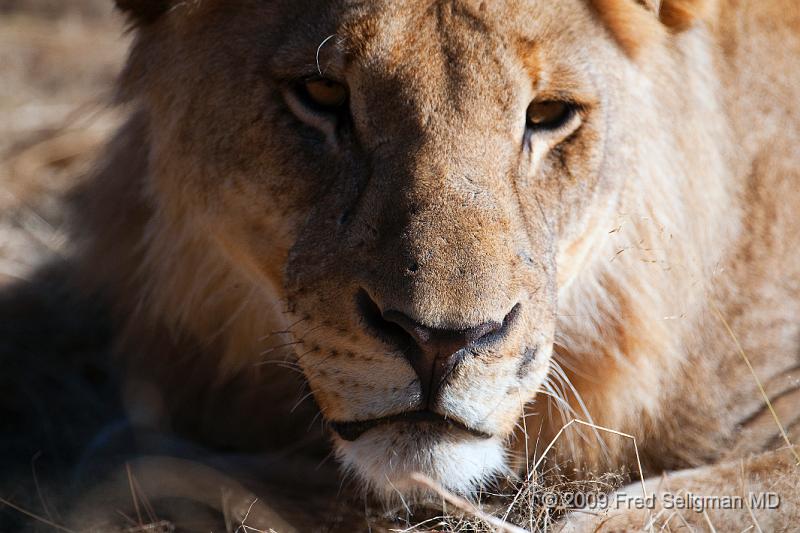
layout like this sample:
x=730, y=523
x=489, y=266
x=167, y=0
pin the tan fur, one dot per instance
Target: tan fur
x=630, y=23
x=635, y=28
x=233, y=231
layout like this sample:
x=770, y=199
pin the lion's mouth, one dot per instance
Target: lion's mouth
x=350, y=431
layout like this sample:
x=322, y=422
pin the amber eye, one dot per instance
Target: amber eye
x=322, y=94
x=549, y=115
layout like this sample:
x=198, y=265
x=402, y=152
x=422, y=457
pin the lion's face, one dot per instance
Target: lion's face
x=416, y=182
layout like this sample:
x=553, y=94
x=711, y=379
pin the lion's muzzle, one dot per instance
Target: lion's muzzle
x=434, y=353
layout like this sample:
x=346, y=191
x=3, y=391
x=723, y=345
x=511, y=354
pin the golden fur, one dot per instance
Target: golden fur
x=232, y=229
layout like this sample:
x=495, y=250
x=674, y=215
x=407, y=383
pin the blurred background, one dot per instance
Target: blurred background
x=58, y=61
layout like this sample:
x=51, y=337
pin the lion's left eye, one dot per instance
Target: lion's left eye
x=549, y=115
x=323, y=94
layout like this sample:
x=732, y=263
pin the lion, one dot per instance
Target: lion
x=467, y=223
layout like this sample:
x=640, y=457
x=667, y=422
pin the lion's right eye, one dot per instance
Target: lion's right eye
x=323, y=95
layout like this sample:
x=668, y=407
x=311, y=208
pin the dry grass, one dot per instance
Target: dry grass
x=521, y=508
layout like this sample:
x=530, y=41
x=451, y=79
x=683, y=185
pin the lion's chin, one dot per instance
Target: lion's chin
x=385, y=458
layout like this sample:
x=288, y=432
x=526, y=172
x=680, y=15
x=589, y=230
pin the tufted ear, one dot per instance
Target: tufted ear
x=637, y=23
x=143, y=12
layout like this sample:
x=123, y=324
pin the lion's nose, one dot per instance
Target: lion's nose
x=434, y=353
x=440, y=351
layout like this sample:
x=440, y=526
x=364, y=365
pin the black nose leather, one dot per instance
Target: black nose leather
x=439, y=351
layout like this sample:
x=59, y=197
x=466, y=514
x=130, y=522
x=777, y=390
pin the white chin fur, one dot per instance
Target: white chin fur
x=384, y=458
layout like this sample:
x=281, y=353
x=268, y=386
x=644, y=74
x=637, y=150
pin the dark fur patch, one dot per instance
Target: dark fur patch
x=525, y=363
x=143, y=12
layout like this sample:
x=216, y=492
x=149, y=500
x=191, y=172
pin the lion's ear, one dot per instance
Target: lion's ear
x=679, y=15
x=143, y=12
x=638, y=23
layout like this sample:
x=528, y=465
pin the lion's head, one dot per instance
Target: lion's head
x=411, y=188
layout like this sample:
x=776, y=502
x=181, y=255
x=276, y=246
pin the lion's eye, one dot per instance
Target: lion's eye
x=322, y=94
x=549, y=115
